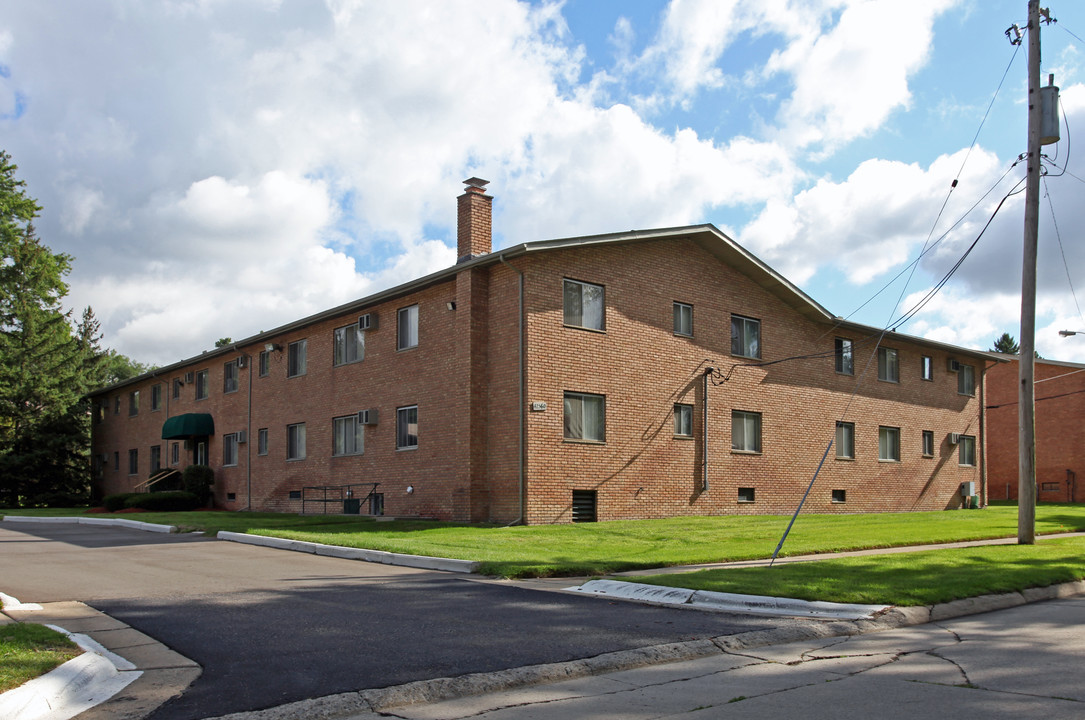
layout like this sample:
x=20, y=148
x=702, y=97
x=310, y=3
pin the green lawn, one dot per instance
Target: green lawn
x=27, y=651
x=920, y=578
x=606, y=547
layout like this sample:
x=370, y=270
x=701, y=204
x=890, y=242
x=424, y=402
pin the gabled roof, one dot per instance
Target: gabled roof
x=707, y=236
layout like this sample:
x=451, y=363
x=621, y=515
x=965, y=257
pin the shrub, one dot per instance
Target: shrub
x=113, y=503
x=171, y=501
x=198, y=479
x=60, y=500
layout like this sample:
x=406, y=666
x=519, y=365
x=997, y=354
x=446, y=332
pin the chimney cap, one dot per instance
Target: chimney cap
x=475, y=182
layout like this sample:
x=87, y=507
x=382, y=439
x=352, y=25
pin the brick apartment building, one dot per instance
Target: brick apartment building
x=1060, y=430
x=632, y=375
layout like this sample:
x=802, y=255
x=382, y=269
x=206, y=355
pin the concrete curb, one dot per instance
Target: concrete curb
x=76, y=686
x=729, y=602
x=346, y=705
x=375, y=556
x=114, y=522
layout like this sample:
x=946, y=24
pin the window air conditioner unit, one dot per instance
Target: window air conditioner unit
x=367, y=321
x=954, y=365
x=954, y=438
x=243, y=436
x=190, y=376
x=241, y=361
x=367, y=417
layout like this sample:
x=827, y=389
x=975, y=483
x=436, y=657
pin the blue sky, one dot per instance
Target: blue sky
x=221, y=167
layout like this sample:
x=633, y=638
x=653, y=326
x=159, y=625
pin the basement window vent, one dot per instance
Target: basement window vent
x=295, y=494
x=745, y=495
x=840, y=496
x=584, y=505
x=1049, y=486
x=231, y=496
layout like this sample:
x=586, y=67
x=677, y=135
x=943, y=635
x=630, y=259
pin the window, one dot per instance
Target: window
x=156, y=458
x=407, y=427
x=229, y=449
x=745, y=431
x=745, y=337
x=133, y=462
x=889, y=444
x=376, y=503
x=117, y=405
x=175, y=454
x=116, y=461
x=683, y=319
x=840, y=496
x=156, y=397
x=295, y=358
x=347, y=436
x=294, y=494
x=585, y=417
x=585, y=503
x=928, y=443
x=845, y=440
x=230, y=375
x=407, y=324
x=845, y=361
x=585, y=305
x=265, y=363
x=888, y=366
x=683, y=420
x=261, y=441
x=103, y=408
x=966, y=380
x=295, y=441
x=966, y=450
x=133, y=403
x=926, y=369
x=201, y=384
x=177, y=384
x=746, y=495
x=349, y=344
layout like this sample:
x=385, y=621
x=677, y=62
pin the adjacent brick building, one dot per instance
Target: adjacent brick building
x=1060, y=430
x=633, y=375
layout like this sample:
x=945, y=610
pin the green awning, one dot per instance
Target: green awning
x=188, y=425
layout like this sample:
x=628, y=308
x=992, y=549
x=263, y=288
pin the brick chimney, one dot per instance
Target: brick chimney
x=474, y=234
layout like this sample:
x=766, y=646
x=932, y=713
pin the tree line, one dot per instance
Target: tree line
x=49, y=361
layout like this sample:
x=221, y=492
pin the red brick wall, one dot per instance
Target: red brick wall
x=1060, y=431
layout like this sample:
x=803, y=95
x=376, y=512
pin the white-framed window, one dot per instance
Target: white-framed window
x=133, y=403
x=407, y=328
x=966, y=380
x=745, y=337
x=201, y=384
x=407, y=427
x=888, y=365
x=229, y=449
x=296, y=358
x=966, y=450
x=745, y=431
x=177, y=384
x=845, y=358
x=230, y=375
x=585, y=305
x=156, y=397
x=175, y=454
x=261, y=441
x=295, y=441
x=683, y=319
x=845, y=440
x=347, y=437
x=683, y=420
x=133, y=462
x=348, y=345
x=117, y=405
x=156, y=458
x=926, y=368
x=585, y=417
x=265, y=363
x=928, y=443
x=889, y=444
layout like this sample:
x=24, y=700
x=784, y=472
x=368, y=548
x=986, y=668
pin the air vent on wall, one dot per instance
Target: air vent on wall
x=367, y=321
x=954, y=365
x=367, y=417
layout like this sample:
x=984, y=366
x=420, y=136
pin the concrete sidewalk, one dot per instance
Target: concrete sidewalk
x=1019, y=662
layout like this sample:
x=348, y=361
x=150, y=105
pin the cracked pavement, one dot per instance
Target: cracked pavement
x=1020, y=662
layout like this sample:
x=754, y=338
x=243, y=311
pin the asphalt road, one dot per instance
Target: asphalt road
x=271, y=626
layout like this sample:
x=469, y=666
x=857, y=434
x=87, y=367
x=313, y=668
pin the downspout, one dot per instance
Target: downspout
x=523, y=401
x=704, y=431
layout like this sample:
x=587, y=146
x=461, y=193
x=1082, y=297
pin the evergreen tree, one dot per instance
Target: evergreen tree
x=1006, y=344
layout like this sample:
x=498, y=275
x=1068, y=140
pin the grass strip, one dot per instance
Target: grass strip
x=28, y=650
x=918, y=578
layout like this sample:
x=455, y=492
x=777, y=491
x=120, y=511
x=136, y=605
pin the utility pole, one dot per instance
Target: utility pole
x=1026, y=406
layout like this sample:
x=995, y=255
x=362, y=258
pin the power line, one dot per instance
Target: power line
x=1062, y=250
